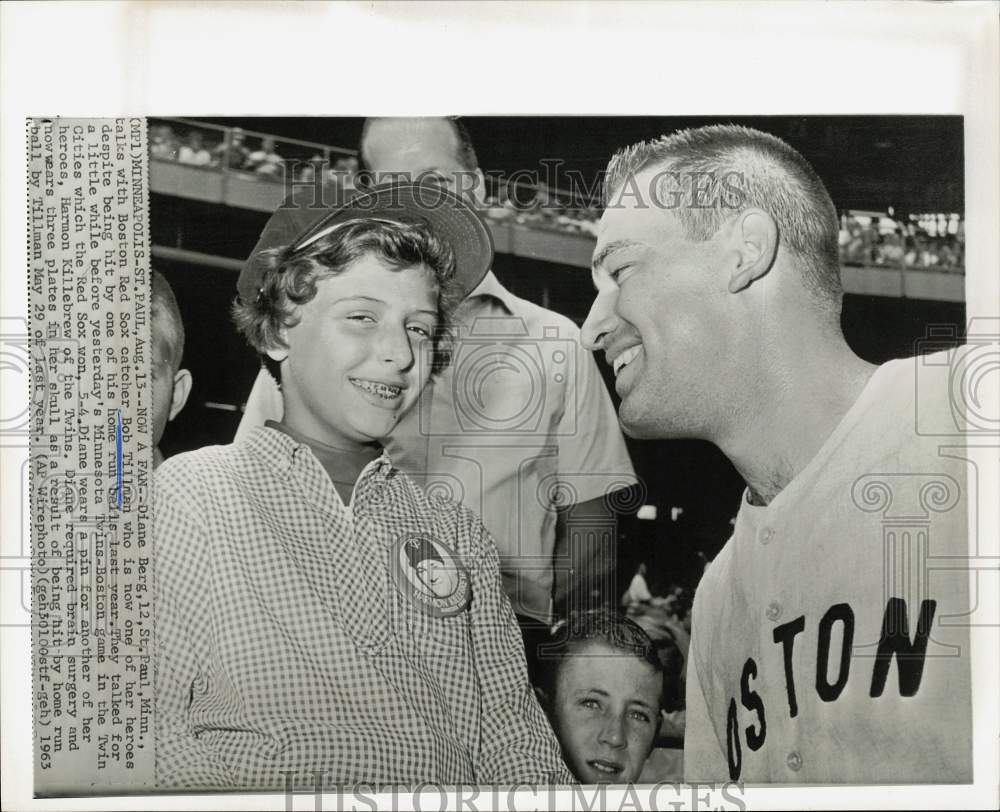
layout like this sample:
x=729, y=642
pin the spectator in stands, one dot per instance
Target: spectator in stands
x=909, y=245
x=232, y=152
x=307, y=171
x=638, y=589
x=891, y=252
x=601, y=684
x=171, y=384
x=265, y=161
x=163, y=143
x=194, y=152
x=344, y=173
x=948, y=253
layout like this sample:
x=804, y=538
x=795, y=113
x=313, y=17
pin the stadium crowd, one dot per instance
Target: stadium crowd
x=926, y=241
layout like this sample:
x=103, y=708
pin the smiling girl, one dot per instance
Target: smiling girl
x=287, y=642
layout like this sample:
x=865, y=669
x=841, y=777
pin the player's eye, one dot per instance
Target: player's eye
x=619, y=274
x=590, y=703
x=640, y=716
x=420, y=330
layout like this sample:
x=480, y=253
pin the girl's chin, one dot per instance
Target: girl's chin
x=377, y=429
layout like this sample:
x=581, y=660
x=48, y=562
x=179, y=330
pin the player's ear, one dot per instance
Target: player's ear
x=182, y=390
x=753, y=245
x=479, y=192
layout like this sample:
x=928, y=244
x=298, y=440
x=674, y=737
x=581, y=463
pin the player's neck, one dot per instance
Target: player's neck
x=801, y=400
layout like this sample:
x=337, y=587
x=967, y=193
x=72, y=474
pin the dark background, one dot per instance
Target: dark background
x=911, y=163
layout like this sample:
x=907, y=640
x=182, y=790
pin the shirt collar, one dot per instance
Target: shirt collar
x=491, y=288
x=278, y=450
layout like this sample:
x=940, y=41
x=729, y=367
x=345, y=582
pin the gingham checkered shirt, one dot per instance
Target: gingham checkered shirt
x=285, y=645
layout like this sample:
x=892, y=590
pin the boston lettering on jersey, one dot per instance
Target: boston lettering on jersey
x=894, y=642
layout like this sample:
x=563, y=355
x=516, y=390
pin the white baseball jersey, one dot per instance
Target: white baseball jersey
x=829, y=641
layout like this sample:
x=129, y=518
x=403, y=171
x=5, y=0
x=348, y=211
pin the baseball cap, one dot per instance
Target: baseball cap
x=298, y=222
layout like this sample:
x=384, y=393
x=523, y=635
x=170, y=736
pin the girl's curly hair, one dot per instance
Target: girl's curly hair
x=289, y=279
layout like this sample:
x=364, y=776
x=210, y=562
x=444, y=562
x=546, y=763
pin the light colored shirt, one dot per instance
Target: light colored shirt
x=264, y=163
x=638, y=590
x=297, y=633
x=830, y=640
x=199, y=157
x=519, y=424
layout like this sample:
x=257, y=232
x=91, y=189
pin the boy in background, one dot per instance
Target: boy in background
x=602, y=686
x=171, y=384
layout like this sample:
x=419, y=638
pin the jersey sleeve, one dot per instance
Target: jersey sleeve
x=592, y=452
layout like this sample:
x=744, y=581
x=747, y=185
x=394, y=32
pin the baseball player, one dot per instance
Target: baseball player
x=828, y=641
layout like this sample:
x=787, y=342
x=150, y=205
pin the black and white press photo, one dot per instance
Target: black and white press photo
x=541, y=450
x=499, y=405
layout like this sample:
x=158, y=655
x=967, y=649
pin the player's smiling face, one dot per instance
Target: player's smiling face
x=657, y=315
x=606, y=713
x=360, y=353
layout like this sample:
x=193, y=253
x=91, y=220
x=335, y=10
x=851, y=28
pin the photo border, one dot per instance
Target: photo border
x=163, y=58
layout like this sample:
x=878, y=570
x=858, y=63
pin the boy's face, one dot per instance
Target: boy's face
x=606, y=713
x=360, y=353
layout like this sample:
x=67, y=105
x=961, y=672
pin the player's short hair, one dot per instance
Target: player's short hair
x=602, y=626
x=165, y=321
x=290, y=276
x=464, y=151
x=765, y=173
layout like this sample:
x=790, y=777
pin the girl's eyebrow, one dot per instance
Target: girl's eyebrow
x=357, y=298
x=381, y=302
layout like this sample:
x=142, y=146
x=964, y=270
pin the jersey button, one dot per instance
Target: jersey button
x=773, y=611
x=794, y=761
x=766, y=534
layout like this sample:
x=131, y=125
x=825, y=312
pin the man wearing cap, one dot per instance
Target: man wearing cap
x=300, y=638
x=520, y=427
